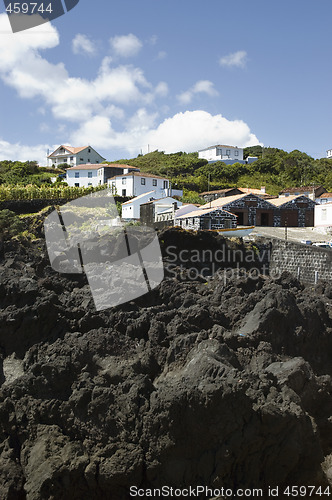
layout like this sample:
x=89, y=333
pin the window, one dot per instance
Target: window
x=236, y=152
x=77, y=184
x=97, y=161
x=90, y=175
x=219, y=151
x=89, y=150
x=71, y=158
x=81, y=159
x=90, y=184
x=143, y=181
x=154, y=182
x=77, y=174
x=228, y=152
x=123, y=192
x=124, y=180
x=89, y=160
x=165, y=184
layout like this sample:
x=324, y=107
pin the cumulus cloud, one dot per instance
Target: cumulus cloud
x=188, y=131
x=126, y=45
x=22, y=152
x=81, y=44
x=200, y=87
x=95, y=107
x=23, y=68
x=236, y=59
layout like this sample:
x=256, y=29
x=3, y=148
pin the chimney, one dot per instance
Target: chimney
x=263, y=190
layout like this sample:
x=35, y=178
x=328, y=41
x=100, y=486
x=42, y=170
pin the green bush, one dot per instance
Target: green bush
x=10, y=224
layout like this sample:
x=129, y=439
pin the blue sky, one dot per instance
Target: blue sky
x=135, y=76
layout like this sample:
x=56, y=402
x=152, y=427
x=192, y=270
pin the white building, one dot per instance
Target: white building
x=137, y=183
x=227, y=154
x=131, y=208
x=84, y=176
x=324, y=198
x=74, y=156
x=323, y=215
x=186, y=208
x=329, y=153
x=95, y=174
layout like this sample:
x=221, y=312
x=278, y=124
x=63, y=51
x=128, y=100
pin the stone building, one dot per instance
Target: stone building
x=294, y=211
x=252, y=210
x=208, y=218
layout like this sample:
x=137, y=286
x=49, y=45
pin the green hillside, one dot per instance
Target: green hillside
x=275, y=169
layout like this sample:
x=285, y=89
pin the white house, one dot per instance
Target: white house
x=95, y=174
x=323, y=215
x=227, y=154
x=137, y=183
x=74, y=156
x=329, y=153
x=324, y=198
x=131, y=208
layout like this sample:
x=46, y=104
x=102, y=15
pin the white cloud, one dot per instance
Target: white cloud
x=16, y=46
x=126, y=45
x=95, y=105
x=200, y=87
x=21, y=152
x=81, y=44
x=237, y=59
x=188, y=131
x=161, y=55
x=194, y=130
x=23, y=68
x=161, y=89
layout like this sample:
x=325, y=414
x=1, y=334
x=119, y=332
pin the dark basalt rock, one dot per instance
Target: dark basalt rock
x=198, y=382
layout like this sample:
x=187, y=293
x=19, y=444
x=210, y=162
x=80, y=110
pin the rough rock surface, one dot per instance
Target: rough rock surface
x=199, y=382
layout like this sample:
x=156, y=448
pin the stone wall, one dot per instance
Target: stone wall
x=307, y=263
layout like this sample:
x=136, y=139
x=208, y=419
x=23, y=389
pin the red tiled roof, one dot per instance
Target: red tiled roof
x=70, y=149
x=302, y=189
x=325, y=195
x=218, y=191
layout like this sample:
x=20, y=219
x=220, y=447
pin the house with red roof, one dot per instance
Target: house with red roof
x=74, y=156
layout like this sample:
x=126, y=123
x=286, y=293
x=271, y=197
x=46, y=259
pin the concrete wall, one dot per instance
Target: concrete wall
x=307, y=263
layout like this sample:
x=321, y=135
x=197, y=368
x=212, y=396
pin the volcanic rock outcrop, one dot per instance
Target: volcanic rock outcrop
x=200, y=382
